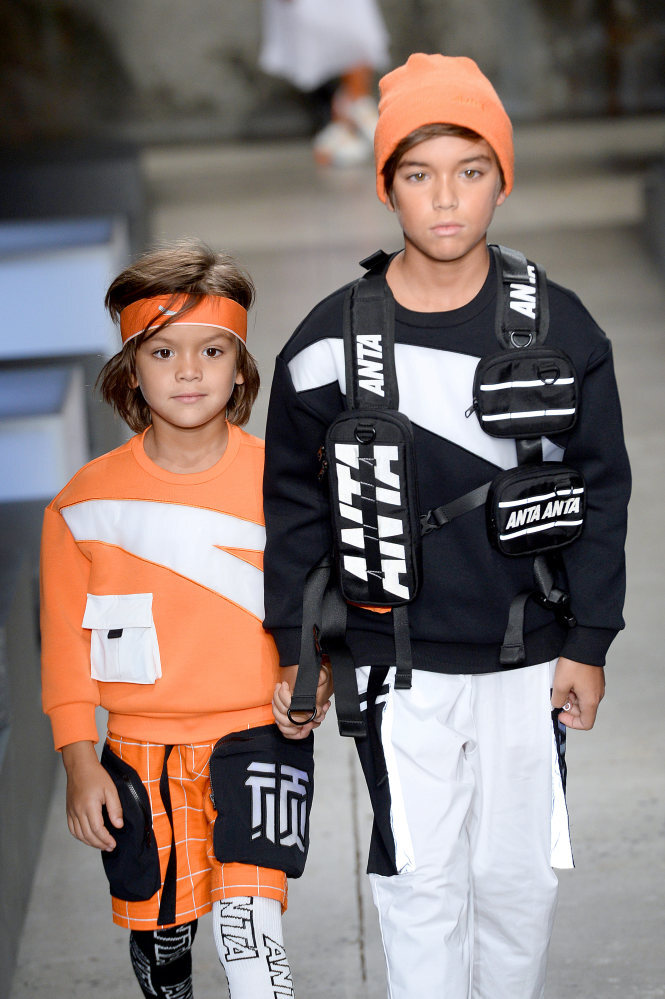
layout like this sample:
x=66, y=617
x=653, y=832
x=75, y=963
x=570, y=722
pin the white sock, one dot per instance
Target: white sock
x=250, y=945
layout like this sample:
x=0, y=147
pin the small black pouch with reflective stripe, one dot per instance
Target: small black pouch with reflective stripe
x=530, y=392
x=535, y=508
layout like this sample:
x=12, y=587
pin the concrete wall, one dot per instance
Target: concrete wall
x=27, y=758
x=164, y=70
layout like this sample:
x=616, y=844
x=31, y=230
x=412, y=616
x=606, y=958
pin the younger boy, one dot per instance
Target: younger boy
x=459, y=765
x=152, y=601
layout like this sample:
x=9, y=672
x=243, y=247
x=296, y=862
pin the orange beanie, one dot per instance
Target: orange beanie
x=446, y=90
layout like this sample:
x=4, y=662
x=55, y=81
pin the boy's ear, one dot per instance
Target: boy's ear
x=501, y=197
x=133, y=380
x=240, y=378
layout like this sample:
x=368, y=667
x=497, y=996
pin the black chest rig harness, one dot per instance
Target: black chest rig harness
x=524, y=391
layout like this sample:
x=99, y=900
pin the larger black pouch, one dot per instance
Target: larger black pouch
x=132, y=868
x=374, y=501
x=262, y=786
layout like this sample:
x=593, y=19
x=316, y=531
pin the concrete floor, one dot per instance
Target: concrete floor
x=577, y=209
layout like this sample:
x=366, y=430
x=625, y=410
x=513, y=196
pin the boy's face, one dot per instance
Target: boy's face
x=444, y=195
x=187, y=374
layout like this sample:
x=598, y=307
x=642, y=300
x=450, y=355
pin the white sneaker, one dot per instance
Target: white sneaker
x=363, y=115
x=339, y=145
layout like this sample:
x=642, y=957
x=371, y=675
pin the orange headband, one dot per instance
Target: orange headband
x=212, y=310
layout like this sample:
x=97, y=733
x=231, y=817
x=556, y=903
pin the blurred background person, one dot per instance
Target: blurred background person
x=336, y=47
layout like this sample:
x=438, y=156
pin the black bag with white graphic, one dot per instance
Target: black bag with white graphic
x=262, y=785
x=377, y=537
x=132, y=868
x=535, y=508
x=528, y=392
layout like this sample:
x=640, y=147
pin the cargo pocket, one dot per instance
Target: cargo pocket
x=132, y=868
x=123, y=646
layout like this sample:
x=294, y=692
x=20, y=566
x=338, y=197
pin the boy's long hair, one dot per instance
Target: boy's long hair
x=422, y=134
x=183, y=267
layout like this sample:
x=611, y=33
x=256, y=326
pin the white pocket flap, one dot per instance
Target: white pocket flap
x=116, y=611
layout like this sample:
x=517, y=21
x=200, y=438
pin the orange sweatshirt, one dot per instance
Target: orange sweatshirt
x=152, y=598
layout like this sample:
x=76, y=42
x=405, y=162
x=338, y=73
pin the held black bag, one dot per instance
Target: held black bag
x=262, y=785
x=535, y=508
x=132, y=868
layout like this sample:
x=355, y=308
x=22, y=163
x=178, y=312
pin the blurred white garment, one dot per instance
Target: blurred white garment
x=311, y=41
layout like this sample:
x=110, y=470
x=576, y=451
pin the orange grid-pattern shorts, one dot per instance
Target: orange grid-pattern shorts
x=201, y=878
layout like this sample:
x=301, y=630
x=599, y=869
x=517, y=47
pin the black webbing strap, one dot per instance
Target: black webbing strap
x=167, y=902
x=333, y=642
x=522, y=310
x=369, y=340
x=529, y=450
x=545, y=593
x=434, y=519
x=512, y=651
x=303, y=697
x=403, y=661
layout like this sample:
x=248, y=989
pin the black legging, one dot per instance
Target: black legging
x=162, y=961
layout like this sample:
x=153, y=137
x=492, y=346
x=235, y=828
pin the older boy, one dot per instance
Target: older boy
x=459, y=766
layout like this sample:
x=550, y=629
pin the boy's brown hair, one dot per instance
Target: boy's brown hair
x=422, y=134
x=184, y=267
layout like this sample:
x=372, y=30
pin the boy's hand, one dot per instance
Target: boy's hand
x=578, y=688
x=281, y=702
x=88, y=788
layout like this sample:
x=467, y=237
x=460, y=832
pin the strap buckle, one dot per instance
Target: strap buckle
x=432, y=521
x=558, y=601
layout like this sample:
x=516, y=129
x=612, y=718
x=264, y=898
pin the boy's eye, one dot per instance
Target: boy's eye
x=471, y=173
x=163, y=353
x=418, y=175
x=213, y=352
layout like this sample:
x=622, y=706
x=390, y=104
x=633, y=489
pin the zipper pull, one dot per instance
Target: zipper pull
x=473, y=408
x=211, y=792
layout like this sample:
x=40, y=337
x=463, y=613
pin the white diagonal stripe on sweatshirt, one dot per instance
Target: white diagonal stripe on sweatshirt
x=435, y=391
x=184, y=539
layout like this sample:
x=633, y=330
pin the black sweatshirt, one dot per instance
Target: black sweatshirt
x=459, y=617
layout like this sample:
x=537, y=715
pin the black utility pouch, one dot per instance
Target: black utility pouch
x=262, y=785
x=527, y=392
x=132, y=868
x=535, y=508
x=374, y=502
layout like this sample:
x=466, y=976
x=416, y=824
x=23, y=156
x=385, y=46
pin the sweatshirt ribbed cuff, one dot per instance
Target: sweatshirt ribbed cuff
x=73, y=723
x=287, y=641
x=588, y=645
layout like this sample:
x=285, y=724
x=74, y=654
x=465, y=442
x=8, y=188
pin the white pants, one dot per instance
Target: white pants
x=469, y=762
